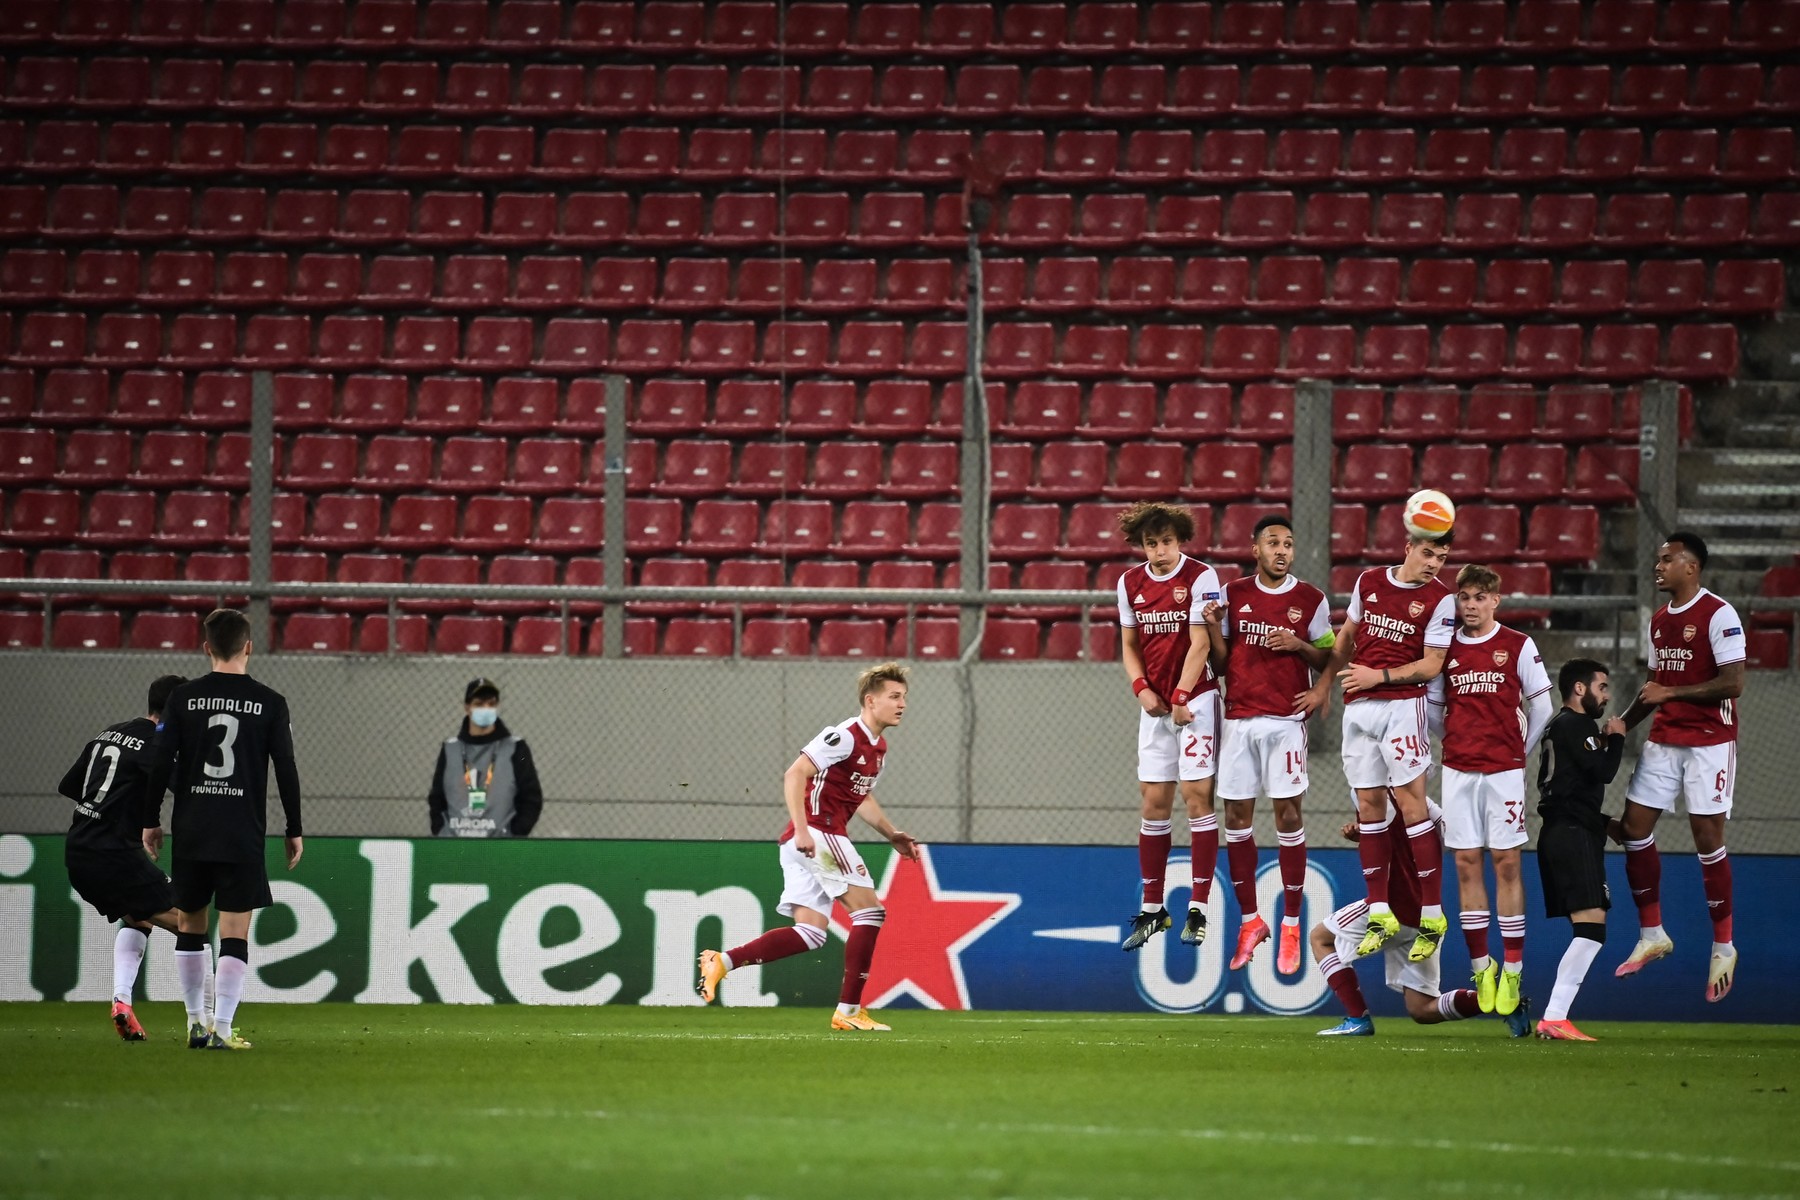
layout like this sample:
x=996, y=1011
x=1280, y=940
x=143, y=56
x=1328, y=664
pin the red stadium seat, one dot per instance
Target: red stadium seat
x=1485, y=221
x=796, y=529
x=1490, y=531
x=1562, y=534
x=697, y=637
x=1500, y=412
x=1022, y=531
x=1224, y=471
x=1701, y=352
x=1069, y=470
x=410, y=634
x=1516, y=286
x=454, y=570
x=415, y=523
x=1376, y=472
x=1605, y=474
x=1545, y=352
x=1529, y=472
x=568, y=525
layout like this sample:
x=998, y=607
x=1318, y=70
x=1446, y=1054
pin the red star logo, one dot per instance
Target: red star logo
x=927, y=929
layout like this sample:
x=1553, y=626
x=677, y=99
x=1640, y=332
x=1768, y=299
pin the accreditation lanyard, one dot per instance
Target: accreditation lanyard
x=477, y=795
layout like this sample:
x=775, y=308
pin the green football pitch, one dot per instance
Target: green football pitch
x=443, y=1102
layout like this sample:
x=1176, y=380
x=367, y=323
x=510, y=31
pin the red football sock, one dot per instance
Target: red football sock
x=773, y=945
x=1715, y=877
x=859, y=952
x=1153, y=859
x=1292, y=858
x=1643, y=872
x=1512, y=940
x=1376, y=857
x=1475, y=932
x=1240, y=858
x=1343, y=982
x=1203, y=835
x=1458, y=1005
x=1428, y=854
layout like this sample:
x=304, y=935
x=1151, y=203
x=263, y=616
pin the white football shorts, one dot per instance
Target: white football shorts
x=1703, y=776
x=1262, y=756
x=1167, y=752
x=1349, y=923
x=1387, y=743
x=815, y=882
x=1484, y=812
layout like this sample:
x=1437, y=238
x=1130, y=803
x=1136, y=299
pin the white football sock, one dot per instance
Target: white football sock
x=849, y=1010
x=190, y=968
x=231, y=990
x=128, y=955
x=1569, y=973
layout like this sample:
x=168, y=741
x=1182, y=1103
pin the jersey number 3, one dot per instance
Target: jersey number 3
x=227, y=759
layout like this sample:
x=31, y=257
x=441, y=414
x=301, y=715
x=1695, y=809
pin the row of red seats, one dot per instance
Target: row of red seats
x=1325, y=27
x=887, y=409
x=904, y=91
x=1003, y=638
x=717, y=528
x=185, y=278
x=1522, y=154
x=1403, y=220
x=871, y=348
x=762, y=637
x=693, y=467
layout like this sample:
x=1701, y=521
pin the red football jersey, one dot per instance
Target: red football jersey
x=849, y=759
x=1395, y=622
x=1687, y=646
x=1483, y=689
x=1260, y=682
x=1161, y=611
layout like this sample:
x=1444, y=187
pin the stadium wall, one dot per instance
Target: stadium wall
x=389, y=921
x=669, y=748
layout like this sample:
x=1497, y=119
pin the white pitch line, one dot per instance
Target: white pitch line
x=1082, y=933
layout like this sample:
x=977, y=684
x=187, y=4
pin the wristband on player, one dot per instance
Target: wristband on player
x=1139, y=686
x=1181, y=696
x=1385, y=676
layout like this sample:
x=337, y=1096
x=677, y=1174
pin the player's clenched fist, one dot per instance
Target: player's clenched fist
x=803, y=841
x=1152, y=703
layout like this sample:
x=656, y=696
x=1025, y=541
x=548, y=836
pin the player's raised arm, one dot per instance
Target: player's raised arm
x=794, y=785
x=870, y=810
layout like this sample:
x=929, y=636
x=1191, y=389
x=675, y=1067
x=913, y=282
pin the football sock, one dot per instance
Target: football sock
x=1715, y=877
x=1574, y=968
x=209, y=990
x=1457, y=1005
x=1475, y=934
x=128, y=955
x=775, y=944
x=234, y=964
x=1643, y=872
x=1343, y=983
x=1512, y=941
x=1428, y=854
x=1154, y=840
x=1240, y=858
x=859, y=952
x=1372, y=847
x=190, y=968
x=1203, y=837
x=1292, y=859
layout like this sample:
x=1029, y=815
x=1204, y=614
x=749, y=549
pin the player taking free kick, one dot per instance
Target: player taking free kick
x=1399, y=624
x=1163, y=642
x=833, y=779
x=1695, y=647
x=1267, y=638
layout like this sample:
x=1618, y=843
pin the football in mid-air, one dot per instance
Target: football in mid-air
x=1429, y=514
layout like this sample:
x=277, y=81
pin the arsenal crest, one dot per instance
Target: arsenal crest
x=1501, y=658
x=1295, y=615
x=1416, y=609
x=1181, y=595
x=1688, y=632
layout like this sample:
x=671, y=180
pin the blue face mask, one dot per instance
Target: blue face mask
x=484, y=716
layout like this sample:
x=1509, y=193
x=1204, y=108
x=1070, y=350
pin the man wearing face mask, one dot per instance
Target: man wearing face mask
x=486, y=784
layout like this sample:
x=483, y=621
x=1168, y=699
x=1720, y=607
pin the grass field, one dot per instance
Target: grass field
x=448, y=1102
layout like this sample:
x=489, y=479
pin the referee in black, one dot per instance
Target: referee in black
x=1581, y=756
x=104, y=851
x=220, y=734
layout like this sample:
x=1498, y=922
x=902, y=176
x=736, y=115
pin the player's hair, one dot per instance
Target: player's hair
x=1692, y=542
x=1578, y=670
x=160, y=687
x=227, y=632
x=871, y=680
x=1476, y=576
x=1153, y=518
x=1441, y=540
x=1270, y=522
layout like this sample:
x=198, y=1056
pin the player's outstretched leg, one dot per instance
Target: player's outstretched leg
x=774, y=945
x=128, y=955
x=1342, y=979
x=1643, y=872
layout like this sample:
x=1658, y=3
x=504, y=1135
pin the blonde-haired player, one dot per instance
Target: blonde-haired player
x=832, y=780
